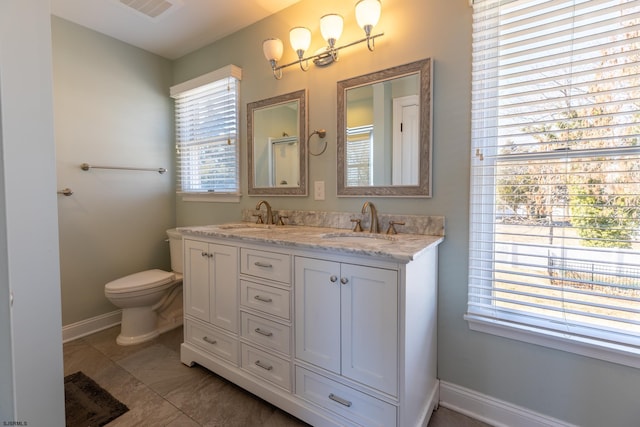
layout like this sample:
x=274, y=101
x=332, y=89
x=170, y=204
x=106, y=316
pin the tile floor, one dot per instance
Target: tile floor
x=160, y=391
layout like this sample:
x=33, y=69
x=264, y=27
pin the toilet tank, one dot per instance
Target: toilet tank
x=175, y=249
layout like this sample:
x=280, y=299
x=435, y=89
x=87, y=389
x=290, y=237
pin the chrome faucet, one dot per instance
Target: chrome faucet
x=373, y=225
x=269, y=218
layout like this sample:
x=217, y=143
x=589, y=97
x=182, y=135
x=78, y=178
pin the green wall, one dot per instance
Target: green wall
x=111, y=108
x=576, y=389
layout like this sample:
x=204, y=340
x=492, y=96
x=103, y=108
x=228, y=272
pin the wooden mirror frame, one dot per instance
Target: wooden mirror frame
x=301, y=190
x=424, y=69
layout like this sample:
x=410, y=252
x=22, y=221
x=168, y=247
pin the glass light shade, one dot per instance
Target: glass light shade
x=331, y=27
x=272, y=49
x=300, y=38
x=368, y=13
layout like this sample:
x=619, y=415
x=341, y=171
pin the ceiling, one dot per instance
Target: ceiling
x=169, y=28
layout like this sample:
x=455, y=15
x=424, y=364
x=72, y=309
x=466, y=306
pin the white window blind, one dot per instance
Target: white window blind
x=206, y=120
x=359, y=160
x=555, y=191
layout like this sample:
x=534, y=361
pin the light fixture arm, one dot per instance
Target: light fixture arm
x=300, y=54
x=371, y=43
x=277, y=71
x=334, y=52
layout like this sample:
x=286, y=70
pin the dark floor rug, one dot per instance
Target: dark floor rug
x=88, y=404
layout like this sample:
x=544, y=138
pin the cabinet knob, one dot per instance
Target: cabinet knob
x=344, y=280
x=204, y=254
x=333, y=279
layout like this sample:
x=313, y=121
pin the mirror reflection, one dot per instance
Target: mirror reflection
x=277, y=155
x=374, y=112
x=384, y=132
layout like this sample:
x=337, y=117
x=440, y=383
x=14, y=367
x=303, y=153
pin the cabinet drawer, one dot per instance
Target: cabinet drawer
x=267, y=265
x=266, y=332
x=352, y=404
x=267, y=366
x=212, y=340
x=265, y=298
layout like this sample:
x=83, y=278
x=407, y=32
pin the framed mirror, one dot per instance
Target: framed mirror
x=384, y=132
x=277, y=155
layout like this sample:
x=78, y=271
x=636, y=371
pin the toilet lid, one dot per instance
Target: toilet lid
x=140, y=281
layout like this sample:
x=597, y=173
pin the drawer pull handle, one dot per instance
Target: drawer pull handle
x=209, y=340
x=262, y=264
x=340, y=400
x=263, y=299
x=263, y=365
x=265, y=333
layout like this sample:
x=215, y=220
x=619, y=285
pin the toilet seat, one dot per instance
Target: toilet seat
x=141, y=281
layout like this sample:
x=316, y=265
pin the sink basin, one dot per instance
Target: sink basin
x=358, y=237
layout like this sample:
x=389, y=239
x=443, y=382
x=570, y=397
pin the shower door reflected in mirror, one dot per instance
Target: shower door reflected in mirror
x=276, y=150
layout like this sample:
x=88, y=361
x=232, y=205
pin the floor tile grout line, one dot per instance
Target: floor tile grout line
x=148, y=386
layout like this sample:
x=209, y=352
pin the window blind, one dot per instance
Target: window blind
x=206, y=120
x=555, y=191
x=359, y=153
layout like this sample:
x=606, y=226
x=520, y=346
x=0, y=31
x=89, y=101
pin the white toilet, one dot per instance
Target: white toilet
x=151, y=301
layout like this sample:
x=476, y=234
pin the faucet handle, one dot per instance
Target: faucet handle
x=280, y=219
x=259, y=220
x=358, y=226
x=392, y=229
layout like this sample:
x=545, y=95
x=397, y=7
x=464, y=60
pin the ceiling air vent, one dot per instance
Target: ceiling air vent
x=152, y=8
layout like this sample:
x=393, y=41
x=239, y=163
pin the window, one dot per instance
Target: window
x=555, y=192
x=359, y=156
x=207, y=113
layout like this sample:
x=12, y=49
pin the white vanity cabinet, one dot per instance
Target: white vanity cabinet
x=265, y=308
x=210, y=298
x=333, y=338
x=347, y=320
x=210, y=270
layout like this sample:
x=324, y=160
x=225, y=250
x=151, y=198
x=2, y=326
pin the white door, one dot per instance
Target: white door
x=223, y=272
x=369, y=313
x=196, y=279
x=406, y=138
x=317, y=312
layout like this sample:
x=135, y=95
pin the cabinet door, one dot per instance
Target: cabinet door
x=196, y=279
x=317, y=312
x=369, y=312
x=223, y=298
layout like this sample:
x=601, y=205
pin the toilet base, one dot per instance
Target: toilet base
x=139, y=324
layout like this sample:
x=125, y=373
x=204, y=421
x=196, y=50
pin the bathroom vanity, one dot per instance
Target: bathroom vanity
x=334, y=327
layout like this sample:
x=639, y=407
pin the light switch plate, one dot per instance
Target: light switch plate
x=318, y=190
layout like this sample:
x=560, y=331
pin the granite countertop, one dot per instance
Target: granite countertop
x=398, y=247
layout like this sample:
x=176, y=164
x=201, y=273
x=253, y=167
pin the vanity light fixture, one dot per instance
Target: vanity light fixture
x=331, y=25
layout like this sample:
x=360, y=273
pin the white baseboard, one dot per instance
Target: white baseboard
x=89, y=326
x=493, y=411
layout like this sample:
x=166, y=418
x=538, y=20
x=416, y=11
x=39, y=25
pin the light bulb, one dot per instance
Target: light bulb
x=300, y=38
x=272, y=49
x=368, y=14
x=331, y=28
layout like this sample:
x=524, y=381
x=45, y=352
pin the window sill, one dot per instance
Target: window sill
x=597, y=349
x=211, y=197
